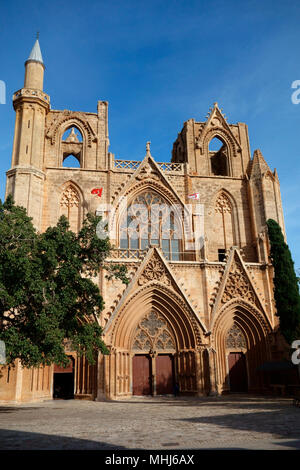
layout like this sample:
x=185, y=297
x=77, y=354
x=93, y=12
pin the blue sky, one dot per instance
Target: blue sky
x=159, y=63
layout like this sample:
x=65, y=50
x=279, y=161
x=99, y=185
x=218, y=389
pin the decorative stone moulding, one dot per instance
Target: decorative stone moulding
x=75, y=119
x=31, y=93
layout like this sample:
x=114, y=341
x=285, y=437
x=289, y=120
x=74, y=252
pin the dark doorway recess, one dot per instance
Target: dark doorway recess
x=164, y=374
x=237, y=372
x=141, y=375
x=63, y=381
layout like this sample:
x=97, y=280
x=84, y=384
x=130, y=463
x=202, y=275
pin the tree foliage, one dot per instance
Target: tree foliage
x=47, y=293
x=286, y=289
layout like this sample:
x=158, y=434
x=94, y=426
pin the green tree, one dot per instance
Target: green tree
x=286, y=290
x=47, y=293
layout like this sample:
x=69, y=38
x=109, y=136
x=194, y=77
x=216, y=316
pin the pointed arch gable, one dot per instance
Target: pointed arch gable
x=147, y=172
x=249, y=296
x=245, y=310
x=154, y=296
x=67, y=120
x=217, y=126
x=256, y=332
x=162, y=277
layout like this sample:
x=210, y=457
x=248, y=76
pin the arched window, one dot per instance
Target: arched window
x=150, y=220
x=72, y=143
x=70, y=207
x=71, y=161
x=218, y=154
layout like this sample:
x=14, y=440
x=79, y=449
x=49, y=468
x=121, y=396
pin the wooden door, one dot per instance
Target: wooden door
x=164, y=374
x=141, y=375
x=237, y=372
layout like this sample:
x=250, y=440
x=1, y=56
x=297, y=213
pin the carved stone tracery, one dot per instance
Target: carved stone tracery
x=154, y=271
x=238, y=285
x=146, y=172
x=151, y=220
x=223, y=204
x=235, y=338
x=72, y=119
x=69, y=198
x=153, y=333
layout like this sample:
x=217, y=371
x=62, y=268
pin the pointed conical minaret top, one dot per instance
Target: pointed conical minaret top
x=35, y=53
x=34, y=68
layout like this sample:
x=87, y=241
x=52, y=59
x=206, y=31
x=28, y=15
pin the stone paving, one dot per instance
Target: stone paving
x=227, y=422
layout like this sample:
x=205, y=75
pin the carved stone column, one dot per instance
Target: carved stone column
x=153, y=355
x=113, y=377
x=211, y=353
x=100, y=378
x=131, y=355
x=199, y=372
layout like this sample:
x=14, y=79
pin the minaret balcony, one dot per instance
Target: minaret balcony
x=32, y=95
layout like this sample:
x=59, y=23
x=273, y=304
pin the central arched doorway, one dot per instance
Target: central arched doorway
x=149, y=380
x=154, y=345
x=153, y=373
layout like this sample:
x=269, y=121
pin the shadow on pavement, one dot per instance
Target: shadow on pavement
x=276, y=422
x=231, y=401
x=12, y=409
x=21, y=440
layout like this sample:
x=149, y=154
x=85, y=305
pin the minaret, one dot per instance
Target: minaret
x=34, y=68
x=25, y=179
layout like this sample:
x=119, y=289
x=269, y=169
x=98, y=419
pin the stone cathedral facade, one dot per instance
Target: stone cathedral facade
x=199, y=308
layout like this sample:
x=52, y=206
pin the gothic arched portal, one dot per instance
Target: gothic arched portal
x=155, y=343
x=240, y=338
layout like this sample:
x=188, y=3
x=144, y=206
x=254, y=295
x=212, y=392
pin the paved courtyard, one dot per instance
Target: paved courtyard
x=231, y=422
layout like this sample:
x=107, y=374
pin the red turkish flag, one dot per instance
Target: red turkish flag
x=97, y=191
